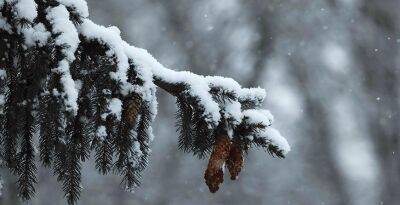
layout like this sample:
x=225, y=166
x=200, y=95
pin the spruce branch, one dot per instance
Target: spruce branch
x=26, y=168
x=86, y=89
x=184, y=124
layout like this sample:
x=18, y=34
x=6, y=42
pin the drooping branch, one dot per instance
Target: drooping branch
x=88, y=90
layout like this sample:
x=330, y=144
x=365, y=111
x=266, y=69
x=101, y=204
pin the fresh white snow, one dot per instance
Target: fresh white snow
x=101, y=132
x=26, y=9
x=145, y=65
x=80, y=6
x=37, y=34
x=59, y=18
x=253, y=116
x=115, y=107
x=274, y=137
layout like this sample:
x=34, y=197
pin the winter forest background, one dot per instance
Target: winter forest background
x=331, y=69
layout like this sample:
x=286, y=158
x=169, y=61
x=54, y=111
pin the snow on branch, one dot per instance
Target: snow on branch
x=89, y=90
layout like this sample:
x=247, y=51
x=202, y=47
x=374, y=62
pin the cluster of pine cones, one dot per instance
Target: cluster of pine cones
x=225, y=152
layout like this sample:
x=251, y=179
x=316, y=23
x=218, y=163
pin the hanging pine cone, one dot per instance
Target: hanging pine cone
x=235, y=160
x=213, y=181
x=214, y=175
x=133, y=108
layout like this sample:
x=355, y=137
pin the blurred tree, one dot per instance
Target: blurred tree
x=377, y=52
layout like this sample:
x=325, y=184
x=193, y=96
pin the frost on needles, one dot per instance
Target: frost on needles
x=79, y=88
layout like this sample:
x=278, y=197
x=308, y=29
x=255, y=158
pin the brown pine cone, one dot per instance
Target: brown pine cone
x=214, y=175
x=213, y=181
x=133, y=109
x=235, y=161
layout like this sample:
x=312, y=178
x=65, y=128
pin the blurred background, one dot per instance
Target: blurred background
x=331, y=69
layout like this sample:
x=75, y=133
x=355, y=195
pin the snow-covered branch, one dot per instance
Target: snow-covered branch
x=87, y=89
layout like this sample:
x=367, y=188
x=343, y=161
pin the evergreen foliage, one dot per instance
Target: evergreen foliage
x=78, y=88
